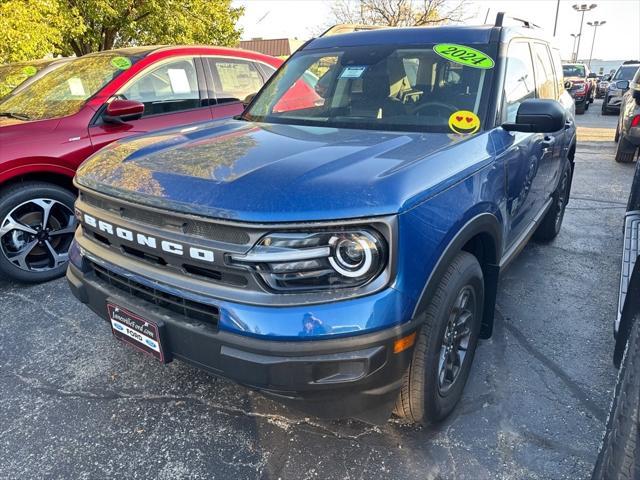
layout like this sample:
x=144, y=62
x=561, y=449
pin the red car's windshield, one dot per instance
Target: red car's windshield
x=64, y=90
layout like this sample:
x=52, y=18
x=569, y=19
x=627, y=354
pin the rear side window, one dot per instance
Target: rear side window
x=234, y=80
x=170, y=87
x=545, y=82
x=519, y=82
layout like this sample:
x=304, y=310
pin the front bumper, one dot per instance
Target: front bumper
x=351, y=376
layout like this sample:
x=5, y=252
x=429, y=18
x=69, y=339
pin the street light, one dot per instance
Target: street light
x=573, y=50
x=582, y=8
x=595, y=26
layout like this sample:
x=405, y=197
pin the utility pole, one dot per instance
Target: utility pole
x=573, y=50
x=555, y=25
x=582, y=8
x=595, y=26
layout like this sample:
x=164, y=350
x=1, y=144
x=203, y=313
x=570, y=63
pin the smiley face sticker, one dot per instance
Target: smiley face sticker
x=464, y=121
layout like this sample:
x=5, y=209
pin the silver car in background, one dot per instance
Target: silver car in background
x=615, y=91
x=628, y=127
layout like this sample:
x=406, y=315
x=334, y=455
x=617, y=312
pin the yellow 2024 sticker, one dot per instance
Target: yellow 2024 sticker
x=464, y=121
x=29, y=70
x=463, y=55
x=121, y=63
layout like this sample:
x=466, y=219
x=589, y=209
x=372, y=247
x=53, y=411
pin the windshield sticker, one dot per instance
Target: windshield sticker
x=29, y=70
x=467, y=56
x=121, y=63
x=353, y=72
x=464, y=121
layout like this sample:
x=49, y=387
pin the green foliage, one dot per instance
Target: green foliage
x=106, y=24
x=34, y=28
x=30, y=29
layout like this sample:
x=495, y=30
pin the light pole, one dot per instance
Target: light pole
x=595, y=26
x=582, y=8
x=573, y=50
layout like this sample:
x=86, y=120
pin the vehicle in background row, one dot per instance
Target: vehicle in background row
x=618, y=86
x=15, y=76
x=619, y=456
x=49, y=127
x=628, y=126
x=342, y=256
x=602, y=86
x=580, y=84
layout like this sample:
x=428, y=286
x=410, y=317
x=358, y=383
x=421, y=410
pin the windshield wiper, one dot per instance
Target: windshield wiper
x=17, y=116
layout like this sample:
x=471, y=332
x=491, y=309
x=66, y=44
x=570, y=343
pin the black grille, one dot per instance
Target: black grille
x=172, y=303
x=208, y=230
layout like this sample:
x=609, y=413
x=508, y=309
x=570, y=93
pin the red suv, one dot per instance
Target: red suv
x=51, y=126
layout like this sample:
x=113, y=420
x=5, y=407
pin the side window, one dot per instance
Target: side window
x=557, y=65
x=169, y=87
x=519, y=83
x=545, y=81
x=234, y=79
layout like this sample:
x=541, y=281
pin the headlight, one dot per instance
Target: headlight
x=322, y=260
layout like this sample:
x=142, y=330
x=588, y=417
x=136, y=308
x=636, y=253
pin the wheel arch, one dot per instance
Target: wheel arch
x=55, y=174
x=482, y=237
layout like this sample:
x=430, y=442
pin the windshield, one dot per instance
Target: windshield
x=626, y=73
x=371, y=87
x=12, y=75
x=64, y=91
x=574, y=71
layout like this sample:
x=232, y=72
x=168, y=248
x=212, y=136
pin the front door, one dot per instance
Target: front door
x=171, y=94
x=523, y=154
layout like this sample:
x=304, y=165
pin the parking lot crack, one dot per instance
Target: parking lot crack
x=279, y=421
x=576, y=391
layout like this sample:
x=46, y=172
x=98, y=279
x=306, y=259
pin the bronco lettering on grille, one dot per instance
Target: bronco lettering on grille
x=149, y=241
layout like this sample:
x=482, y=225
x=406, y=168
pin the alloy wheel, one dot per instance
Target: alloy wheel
x=456, y=339
x=35, y=235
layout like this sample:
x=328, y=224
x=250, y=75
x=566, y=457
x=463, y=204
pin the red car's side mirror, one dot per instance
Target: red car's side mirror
x=120, y=111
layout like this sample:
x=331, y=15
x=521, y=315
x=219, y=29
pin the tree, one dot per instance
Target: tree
x=399, y=13
x=31, y=29
x=106, y=24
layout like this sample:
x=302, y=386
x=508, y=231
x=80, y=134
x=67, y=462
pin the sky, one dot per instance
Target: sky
x=618, y=39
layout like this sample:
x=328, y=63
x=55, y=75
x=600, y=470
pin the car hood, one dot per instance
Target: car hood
x=260, y=172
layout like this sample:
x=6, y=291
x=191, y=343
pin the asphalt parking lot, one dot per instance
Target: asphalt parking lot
x=75, y=403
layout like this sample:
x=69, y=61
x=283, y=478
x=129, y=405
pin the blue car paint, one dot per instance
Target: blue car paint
x=265, y=173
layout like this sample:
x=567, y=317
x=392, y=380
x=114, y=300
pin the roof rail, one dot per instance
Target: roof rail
x=526, y=23
x=348, y=28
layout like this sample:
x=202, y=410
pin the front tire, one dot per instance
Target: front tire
x=442, y=357
x=620, y=453
x=36, y=228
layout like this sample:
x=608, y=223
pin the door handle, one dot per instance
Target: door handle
x=548, y=143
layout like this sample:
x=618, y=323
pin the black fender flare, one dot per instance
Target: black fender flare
x=485, y=224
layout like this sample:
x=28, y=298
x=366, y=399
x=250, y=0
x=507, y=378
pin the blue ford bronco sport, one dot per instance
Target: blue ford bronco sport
x=338, y=245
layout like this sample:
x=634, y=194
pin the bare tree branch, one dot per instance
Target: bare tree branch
x=400, y=13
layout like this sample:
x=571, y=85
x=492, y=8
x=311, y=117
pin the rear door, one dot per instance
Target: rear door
x=173, y=93
x=233, y=80
x=553, y=143
x=519, y=151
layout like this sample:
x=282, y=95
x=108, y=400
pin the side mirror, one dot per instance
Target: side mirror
x=538, y=116
x=622, y=84
x=568, y=85
x=592, y=75
x=121, y=111
x=636, y=94
x=248, y=99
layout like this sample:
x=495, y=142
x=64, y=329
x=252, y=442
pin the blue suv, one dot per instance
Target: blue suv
x=338, y=245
